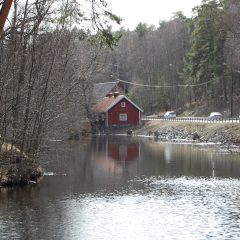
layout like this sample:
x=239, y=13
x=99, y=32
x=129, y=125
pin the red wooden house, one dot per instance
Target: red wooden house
x=117, y=110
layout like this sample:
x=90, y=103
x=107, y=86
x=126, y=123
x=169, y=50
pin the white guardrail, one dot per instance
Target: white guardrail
x=192, y=119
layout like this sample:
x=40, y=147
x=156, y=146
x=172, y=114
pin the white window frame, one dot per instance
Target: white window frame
x=123, y=117
x=123, y=104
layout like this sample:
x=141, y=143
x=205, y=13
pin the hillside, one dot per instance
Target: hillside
x=203, y=109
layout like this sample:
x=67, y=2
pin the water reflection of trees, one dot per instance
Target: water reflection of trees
x=109, y=160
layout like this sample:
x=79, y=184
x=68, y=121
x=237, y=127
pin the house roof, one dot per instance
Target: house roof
x=100, y=90
x=108, y=102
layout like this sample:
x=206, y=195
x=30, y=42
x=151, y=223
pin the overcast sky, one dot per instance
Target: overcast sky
x=149, y=11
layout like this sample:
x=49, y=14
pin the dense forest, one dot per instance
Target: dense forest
x=187, y=60
x=52, y=54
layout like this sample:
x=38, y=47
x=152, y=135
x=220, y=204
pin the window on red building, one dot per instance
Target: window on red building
x=123, y=117
x=123, y=104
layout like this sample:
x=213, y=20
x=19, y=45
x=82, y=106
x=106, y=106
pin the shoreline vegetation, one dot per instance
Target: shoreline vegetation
x=17, y=169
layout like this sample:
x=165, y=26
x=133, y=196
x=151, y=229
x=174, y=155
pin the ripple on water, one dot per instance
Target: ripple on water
x=158, y=208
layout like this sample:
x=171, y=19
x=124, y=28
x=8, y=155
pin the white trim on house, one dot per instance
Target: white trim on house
x=120, y=98
x=123, y=104
x=106, y=119
x=139, y=117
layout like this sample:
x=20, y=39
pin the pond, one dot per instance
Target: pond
x=127, y=188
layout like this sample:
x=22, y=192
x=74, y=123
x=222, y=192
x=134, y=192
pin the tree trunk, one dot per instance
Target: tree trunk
x=4, y=13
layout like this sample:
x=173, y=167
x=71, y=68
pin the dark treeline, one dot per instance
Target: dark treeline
x=52, y=54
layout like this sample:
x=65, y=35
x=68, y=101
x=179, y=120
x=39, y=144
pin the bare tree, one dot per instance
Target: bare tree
x=44, y=57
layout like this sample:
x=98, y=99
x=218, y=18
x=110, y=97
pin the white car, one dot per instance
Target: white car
x=170, y=114
x=215, y=116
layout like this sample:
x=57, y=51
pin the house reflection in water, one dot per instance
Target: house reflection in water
x=113, y=156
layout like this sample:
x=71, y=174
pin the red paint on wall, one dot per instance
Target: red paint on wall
x=132, y=112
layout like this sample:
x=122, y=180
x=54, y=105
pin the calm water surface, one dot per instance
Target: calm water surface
x=125, y=188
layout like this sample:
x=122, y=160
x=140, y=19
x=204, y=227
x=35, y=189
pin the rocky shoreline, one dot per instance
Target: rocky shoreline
x=173, y=133
x=225, y=135
x=17, y=169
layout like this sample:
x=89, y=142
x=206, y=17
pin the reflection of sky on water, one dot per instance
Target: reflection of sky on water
x=167, y=153
x=124, y=188
x=166, y=209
